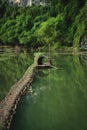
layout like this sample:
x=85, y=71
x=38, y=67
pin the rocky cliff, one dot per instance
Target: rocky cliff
x=27, y=2
x=84, y=42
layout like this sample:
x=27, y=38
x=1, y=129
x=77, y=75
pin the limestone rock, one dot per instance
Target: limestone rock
x=84, y=42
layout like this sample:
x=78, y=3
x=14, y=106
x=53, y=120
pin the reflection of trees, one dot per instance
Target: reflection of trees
x=70, y=73
x=66, y=99
x=80, y=76
x=42, y=73
x=11, y=70
x=64, y=105
x=70, y=84
x=83, y=59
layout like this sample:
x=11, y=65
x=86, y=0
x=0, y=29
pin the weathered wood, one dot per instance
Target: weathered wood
x=9, y=104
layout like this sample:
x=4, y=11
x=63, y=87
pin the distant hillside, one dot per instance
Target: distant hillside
x=62, y=24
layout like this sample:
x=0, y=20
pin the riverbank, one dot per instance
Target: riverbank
x=18, y=48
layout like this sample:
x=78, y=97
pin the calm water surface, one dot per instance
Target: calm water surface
x=12, y=67
x=57, y=99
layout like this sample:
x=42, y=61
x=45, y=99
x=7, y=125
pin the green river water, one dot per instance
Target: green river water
x=57, y=98
x=12, y=67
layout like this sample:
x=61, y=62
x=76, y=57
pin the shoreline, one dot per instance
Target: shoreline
x=65, y=49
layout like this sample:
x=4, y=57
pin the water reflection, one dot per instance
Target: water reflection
x=12, y=67
x=83, y=59
x=59, y=100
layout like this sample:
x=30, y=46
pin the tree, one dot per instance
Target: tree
x=52, y=30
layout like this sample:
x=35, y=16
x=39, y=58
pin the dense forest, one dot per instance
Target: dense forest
x=62, y=23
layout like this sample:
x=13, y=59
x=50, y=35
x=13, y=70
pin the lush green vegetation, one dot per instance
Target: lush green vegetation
x=61, y=23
